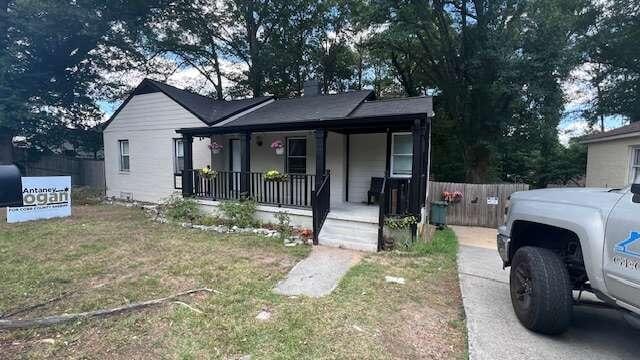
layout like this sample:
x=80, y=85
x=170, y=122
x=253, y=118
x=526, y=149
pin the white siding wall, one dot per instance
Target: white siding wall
x=367, y=159
x=608, y=162
x=336, y=163
x=149, y=122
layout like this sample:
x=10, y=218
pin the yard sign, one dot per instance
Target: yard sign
x=43, y=198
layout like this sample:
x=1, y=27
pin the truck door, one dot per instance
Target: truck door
x=622, y=251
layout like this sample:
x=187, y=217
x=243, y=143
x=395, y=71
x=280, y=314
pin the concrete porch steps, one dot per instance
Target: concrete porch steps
x=349, y=234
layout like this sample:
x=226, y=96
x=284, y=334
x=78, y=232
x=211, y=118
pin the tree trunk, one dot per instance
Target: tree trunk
x=6, y=146
x=4, y=7
x=477, y=158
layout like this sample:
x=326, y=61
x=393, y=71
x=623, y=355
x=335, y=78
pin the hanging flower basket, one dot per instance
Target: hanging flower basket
x=207, y=172
x=275, y=176
x=215, y=147
x=278, y=146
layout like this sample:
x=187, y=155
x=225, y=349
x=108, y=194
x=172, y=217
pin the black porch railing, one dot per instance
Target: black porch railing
x=295, y=191
x=321, y=204
x=382, y=212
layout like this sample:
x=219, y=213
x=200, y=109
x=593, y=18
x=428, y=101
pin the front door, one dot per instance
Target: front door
x=622, y=251
x=235, y=164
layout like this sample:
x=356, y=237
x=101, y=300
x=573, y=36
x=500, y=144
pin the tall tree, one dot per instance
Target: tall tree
x=188, y=32
x=53, y=57
x=496, y=66
x=613, y=50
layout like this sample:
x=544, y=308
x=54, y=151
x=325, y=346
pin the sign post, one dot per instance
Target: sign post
x=43, y=198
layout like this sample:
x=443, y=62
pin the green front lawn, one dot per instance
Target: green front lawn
x=105, y=256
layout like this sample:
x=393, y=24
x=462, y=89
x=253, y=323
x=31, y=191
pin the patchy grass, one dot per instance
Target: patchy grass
x=105, y=256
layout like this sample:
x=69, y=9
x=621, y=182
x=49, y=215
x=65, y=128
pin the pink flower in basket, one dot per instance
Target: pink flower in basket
x=215, y=147
x=277, y=144
x=452, y=196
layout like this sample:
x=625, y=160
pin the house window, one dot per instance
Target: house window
x=401, y=154
x=178, y=155
x=297, y=155
x=635, y=165
x=124, y=155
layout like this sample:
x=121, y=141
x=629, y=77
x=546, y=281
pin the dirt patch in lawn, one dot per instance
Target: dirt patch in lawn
x=107, y=256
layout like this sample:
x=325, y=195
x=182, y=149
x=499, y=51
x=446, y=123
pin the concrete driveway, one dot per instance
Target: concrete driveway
x=494, y=331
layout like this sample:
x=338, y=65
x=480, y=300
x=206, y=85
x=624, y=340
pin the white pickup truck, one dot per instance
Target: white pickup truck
x=561, y=241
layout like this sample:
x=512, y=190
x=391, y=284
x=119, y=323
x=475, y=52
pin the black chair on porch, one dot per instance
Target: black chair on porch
x=375, y=189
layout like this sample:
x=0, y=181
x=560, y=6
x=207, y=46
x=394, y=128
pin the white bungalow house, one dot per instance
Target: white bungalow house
x=613, y=157
x=350, y=159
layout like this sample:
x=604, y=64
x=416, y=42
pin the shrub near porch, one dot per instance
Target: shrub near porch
x=105, y=256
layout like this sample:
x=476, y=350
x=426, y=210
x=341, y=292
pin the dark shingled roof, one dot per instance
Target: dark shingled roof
x=629, y=129
x=209, y=110
x=305, y=108
x=400, y=106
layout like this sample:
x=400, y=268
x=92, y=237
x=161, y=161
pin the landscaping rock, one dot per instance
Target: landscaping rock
x=394, y=280
x=263, y=315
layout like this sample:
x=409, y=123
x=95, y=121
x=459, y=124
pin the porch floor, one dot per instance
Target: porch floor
x=354, y=212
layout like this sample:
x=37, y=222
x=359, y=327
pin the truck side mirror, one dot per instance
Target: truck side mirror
x=10, y=186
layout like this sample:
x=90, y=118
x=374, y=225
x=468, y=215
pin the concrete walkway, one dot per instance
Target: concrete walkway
x=318, y=274
x=494, y=331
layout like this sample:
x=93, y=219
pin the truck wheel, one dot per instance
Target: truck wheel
x=541, y=291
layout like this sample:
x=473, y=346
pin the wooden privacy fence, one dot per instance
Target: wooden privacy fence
x=83, y=172
x=481, y=205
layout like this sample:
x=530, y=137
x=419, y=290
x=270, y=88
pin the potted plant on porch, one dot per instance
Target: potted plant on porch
x=398, y=231
x=278, y=146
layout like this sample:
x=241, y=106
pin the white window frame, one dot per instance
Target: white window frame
x=391, y=155
x=122, y=155
x=306, y=152
x=634, y=163
x=176, y=141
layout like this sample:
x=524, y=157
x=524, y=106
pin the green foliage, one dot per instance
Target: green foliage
x=275, y=175
x=53, y=55
x=613, y=55
x=398, y=223
x=496, y=68
x=177, y=208
x=284, y=224
x=444, y=242
x=240, y=213
x=208, y=220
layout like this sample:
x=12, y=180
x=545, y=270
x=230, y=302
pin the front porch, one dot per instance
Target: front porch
x=331, y=174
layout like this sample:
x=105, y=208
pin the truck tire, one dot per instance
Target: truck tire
x=541, y=291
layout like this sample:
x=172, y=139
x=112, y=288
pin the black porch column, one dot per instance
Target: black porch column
x=417, y=166
x=321, y=152
x=426, y=150
x=187, y=173
x=245, y=163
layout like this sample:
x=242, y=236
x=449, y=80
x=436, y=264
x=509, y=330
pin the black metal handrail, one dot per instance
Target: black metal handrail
x=382, y=212
x=321, y=202
x=293, y=190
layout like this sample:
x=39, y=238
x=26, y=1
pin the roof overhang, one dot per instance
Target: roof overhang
x=611, y=138
x=345, y=124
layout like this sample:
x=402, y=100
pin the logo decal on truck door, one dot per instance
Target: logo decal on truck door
x=625, y=246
